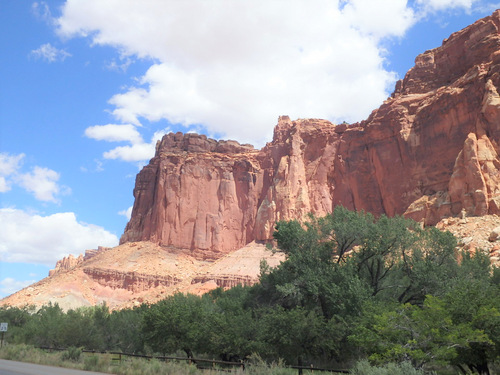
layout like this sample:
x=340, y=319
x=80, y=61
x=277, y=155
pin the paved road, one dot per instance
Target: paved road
x=21, y=368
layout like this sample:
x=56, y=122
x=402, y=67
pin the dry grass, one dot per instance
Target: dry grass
x=128, y=366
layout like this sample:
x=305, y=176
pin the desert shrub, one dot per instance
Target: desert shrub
x=96, y=362
x=404, y=368
x=90, y=362
x=71, y=354
x=258, y=366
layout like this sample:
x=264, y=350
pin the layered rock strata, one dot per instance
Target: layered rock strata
x=142, y=272
x=430, y=151
x=131, y=281
x=226, y=281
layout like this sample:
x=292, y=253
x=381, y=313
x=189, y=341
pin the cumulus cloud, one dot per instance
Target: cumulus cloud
x=42, y=183
x=392, y=17
x=49, y=53
x=137, y=151
x=9, y=165
x=28, y=238
x=114, y=133
x=439, y=5
x=235, y=66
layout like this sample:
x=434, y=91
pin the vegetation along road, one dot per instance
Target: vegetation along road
x=20, y=368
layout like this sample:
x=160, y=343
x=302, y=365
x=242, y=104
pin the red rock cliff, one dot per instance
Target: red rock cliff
x=430, y=151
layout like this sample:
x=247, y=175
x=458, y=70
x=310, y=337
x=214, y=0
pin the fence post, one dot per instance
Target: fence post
x=299, y=362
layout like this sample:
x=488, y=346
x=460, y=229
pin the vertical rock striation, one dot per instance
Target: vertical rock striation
x=430, y=151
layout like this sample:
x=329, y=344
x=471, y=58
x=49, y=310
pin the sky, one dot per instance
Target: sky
x=87, y=87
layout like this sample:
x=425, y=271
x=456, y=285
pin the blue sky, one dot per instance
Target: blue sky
x=88, y=86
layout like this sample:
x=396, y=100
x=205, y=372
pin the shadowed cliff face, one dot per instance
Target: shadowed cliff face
x=429, y=152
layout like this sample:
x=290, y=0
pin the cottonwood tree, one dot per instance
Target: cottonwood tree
x=176, y=323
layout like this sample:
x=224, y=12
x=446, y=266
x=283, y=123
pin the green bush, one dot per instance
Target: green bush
x=72, y=354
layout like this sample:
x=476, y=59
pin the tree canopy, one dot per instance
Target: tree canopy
x=353, y=287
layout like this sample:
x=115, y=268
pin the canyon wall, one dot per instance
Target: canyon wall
x=430, y=151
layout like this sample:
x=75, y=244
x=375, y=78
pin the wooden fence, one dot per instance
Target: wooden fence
x=196, y=361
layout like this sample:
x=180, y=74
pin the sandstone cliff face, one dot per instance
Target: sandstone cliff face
x=429, y=152
x=197, y=194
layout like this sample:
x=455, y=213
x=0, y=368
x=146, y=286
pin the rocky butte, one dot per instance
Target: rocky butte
x=430, y=152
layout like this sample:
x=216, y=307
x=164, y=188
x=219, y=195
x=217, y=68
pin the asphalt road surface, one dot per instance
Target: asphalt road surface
x=21, y=368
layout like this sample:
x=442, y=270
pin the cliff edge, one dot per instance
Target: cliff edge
x=429, y=152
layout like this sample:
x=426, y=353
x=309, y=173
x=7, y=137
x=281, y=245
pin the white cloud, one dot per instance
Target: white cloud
x=439, y=5
x=9, y=285
x=36, y=239
x=50, y=53
x=235, y=66
x=42, y=11
x=137, y=151
x=42, y=182
x=127, y=213
x=9, y=165
x=122, y=65
x=114, y=133
x=379, y=18
x=4, y=185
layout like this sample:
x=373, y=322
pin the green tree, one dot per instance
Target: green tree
x=474, y=298
x=45, y=327
x=312, y=279
x=176, y=323
x=293, y=334
x=86, y=327
x=427, y=266
x=420, y=335
x=126, y=327
x=379, y=256
x=232, y=330
x=17, y=318
x=343, y=229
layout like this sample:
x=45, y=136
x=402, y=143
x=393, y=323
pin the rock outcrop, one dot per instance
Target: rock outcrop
x=131, y=281
x=66, y=264
x=430, y=151
x=69, y=262
x=142, y=272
